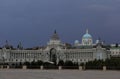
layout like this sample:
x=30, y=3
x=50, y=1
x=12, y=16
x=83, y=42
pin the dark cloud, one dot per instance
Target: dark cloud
x=33, y=21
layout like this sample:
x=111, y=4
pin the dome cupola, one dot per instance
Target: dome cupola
x=54, y=40
x=55, y=36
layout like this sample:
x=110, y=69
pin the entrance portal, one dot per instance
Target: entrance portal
x=53, y=56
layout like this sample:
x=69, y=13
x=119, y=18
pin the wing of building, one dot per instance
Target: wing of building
x=55, y=51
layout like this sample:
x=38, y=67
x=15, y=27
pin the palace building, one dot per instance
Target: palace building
x=55, y=51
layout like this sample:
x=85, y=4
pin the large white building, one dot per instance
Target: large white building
x=55, y=51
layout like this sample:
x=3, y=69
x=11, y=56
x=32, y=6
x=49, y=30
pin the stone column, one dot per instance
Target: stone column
x=41, y=67
x=24, y=67
x=80, y=68
x=8, y=67
x=104, y=68
x=60, y=67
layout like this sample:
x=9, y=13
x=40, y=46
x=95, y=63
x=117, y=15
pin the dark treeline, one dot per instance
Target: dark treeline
x=51, y=65
x=46, y=65
x=113, y=63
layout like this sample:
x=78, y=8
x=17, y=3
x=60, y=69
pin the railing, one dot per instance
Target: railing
x=93, y=67
x=61, y=67
x=70, y=67
x=113, y=68
x=15, y=67
x=51, y=67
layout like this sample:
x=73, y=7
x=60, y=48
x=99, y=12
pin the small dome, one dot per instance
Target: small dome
x=97, y=41
x=76, y=41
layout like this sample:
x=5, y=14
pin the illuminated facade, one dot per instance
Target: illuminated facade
x=55, y=51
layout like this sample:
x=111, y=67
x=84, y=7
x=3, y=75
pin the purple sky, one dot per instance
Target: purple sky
x=33, y=21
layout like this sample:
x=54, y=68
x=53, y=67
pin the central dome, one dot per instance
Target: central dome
x=87, y=35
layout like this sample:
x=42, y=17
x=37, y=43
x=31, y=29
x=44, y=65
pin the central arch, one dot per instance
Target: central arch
x=53, y=56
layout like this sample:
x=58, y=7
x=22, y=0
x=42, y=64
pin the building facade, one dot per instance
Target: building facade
x=55, y=51
x=115, y=50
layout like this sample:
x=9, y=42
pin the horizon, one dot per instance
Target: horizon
x=80, y=41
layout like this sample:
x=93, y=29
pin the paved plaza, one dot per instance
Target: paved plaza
x=58, y=74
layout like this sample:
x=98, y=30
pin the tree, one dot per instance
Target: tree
x=68, y=63
x=61, y=63
x=27, y=63
x=39, y=62
x=82, y=64
x=116, y=45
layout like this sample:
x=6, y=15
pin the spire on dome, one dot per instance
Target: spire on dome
x=55, y=36
x=86, y=31
x=55, y=32
x=6, y=42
